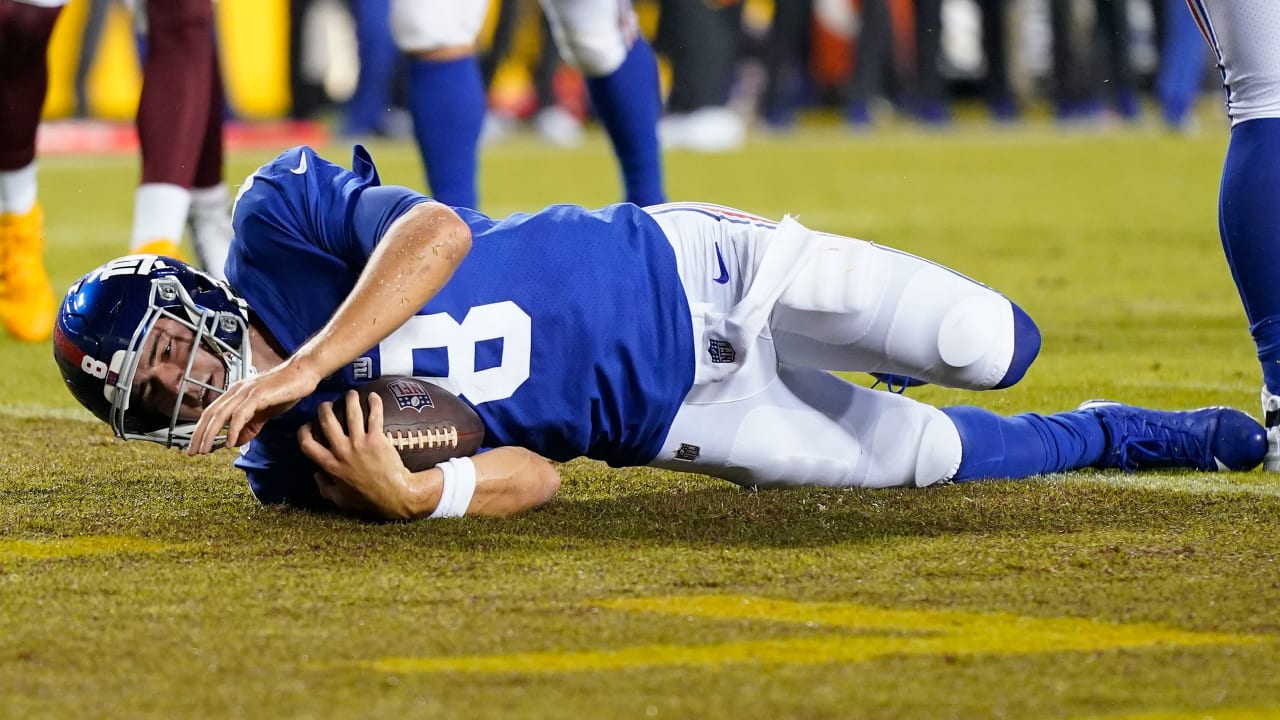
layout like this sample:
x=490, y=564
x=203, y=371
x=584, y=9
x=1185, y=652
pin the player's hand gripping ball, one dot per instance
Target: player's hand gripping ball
x=425, y=423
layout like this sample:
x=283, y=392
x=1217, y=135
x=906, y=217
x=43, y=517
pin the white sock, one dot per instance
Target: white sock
x=211, y=226
x=159, y=213
x=18, y=189
x=214, y=198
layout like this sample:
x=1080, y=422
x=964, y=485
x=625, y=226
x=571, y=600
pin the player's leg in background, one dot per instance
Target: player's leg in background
x=1243, y=33
x=446, y=90
x=1183, y=60
x=930, y=103
x=601, y=38
x=90, y=36
x=1114, y=38
x=365, y=112
x=873, y=60
x=703, y=42
x=27, y=303
x=1002, y=102
x=1074, y=70
x=173, y=118
x=210, y=216
x=785, y=60
x=857, y=306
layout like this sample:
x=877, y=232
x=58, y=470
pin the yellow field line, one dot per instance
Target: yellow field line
x=877, y=633
x=56, y=548
x=1219, y=714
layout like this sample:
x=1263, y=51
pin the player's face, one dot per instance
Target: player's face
x=162, y=366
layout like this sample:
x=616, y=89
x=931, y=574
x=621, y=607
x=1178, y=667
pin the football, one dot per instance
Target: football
x=426, y=423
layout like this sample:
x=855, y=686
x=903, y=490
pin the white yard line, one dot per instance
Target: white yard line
x=1196, y=484
x=31, y=411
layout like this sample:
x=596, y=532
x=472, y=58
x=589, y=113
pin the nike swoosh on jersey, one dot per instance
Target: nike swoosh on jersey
x=724, y=272
x=302, y=166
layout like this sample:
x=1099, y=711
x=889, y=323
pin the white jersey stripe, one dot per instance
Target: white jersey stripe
x=720, y=212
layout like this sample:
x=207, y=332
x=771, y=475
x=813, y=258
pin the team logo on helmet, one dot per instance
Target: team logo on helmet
x=410, y=395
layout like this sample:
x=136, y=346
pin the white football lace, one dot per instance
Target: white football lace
x=429, y=438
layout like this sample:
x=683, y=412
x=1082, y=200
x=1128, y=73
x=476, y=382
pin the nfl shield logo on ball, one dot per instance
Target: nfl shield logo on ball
x=410, y=395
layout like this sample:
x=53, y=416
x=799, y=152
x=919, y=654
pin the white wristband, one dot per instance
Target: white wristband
x=457, y=489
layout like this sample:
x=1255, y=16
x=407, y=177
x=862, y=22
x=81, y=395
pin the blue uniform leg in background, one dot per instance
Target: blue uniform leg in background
x=447, y=100
x=366, y=110
x=628, y=103
x=1182, y=65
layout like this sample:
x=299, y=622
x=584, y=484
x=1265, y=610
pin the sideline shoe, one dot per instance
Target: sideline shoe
x=1209, y=439
x=558, y=126
x=1271, y=418
x=711, y=129
x=27, y=304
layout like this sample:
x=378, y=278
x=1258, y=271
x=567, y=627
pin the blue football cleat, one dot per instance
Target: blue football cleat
x=1209, y=439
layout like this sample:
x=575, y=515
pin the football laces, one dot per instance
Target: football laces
x=423, y=439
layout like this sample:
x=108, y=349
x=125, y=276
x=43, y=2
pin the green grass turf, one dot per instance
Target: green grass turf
x=135, y=583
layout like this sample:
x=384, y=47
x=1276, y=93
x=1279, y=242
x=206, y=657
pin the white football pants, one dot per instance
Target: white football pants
x=593, y=36
x=1245, y=35
x=779, y=418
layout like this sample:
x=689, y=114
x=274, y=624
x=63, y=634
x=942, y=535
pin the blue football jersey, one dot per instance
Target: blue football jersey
x=567, y=330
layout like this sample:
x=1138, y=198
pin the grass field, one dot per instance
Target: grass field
x=134, y=583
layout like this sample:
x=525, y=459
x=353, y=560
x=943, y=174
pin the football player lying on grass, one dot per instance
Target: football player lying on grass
x=683, y=336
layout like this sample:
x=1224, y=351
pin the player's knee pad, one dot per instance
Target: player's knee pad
x=913, y=446
x=594, y=51
x=987, y=341
x=940, y=451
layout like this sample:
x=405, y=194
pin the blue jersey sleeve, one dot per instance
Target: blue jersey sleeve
x=301, y=224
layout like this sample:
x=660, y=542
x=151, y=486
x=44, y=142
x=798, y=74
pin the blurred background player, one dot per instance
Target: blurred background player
x=371, y=110
x=600, y=38
x=1083, y=70
x=1183, y=60
x=701, y=38
x=180, y=115
x=1243, y=35
x=27, y=304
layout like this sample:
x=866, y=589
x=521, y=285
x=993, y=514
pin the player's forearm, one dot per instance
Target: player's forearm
x=508, y=480
x=414, y=259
